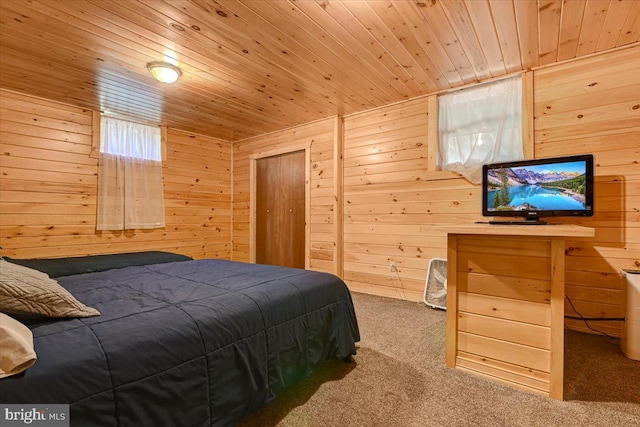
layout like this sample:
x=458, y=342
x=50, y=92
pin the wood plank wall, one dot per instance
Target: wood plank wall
x=48, y=187
x=593, y=106
x=586, y=106
x=391, y=195
x=388, y=197
x=321, y=135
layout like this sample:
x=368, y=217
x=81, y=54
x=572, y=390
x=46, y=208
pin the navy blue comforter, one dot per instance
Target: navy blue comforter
x=193, y=343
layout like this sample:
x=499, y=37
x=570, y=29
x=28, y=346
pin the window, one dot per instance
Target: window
x=130, y=191
x=482, y=124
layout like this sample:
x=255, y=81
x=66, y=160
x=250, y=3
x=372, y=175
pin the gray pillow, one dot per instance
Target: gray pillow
x=25, y=291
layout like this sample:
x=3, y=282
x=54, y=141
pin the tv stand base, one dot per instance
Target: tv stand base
x=505, y=303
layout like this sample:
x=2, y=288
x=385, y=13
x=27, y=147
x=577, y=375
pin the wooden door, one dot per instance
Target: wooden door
x=280, y=210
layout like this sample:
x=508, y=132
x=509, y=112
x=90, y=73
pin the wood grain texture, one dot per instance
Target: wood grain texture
x=593, y=106
x=319, y=136
x=254, y=67
x=499, y=331
x=509, y=373
x=386, y=154
x=280, y=210
x=48, y=190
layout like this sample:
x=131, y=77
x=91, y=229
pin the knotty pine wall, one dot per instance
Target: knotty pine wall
x=593, y=106
x=391, y=196
x=322, y=138
x=48, y=188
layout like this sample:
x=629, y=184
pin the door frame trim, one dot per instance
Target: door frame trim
x=253, y=158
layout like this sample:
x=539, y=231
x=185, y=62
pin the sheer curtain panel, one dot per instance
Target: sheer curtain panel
x=480, y=125
x=130, y=191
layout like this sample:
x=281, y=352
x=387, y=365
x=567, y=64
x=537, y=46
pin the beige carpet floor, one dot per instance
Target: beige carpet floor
x=398, y=378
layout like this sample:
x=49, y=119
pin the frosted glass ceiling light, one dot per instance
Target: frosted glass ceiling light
x=164, y=72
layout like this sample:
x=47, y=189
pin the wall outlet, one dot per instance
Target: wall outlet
x=392, y=266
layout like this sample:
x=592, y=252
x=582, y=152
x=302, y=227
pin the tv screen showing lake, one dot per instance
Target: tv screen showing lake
x=550, y=187
x=535, y=197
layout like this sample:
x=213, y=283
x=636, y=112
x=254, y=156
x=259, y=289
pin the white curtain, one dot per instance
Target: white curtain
x=480, y=125
x=130, y=191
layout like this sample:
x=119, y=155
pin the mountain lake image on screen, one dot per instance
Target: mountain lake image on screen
x=553, y=186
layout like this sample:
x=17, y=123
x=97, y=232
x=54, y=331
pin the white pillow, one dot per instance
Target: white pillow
x=26, y=291
x=16, y=347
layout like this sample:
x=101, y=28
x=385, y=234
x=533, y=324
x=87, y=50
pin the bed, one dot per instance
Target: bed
x=181, y=342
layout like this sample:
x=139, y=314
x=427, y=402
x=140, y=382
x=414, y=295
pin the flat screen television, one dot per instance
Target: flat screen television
x=537, y=188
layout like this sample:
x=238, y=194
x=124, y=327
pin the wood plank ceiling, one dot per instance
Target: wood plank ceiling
x=251, y=67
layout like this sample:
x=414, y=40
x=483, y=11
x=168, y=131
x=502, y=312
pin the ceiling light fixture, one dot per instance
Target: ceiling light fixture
x=164, y=72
